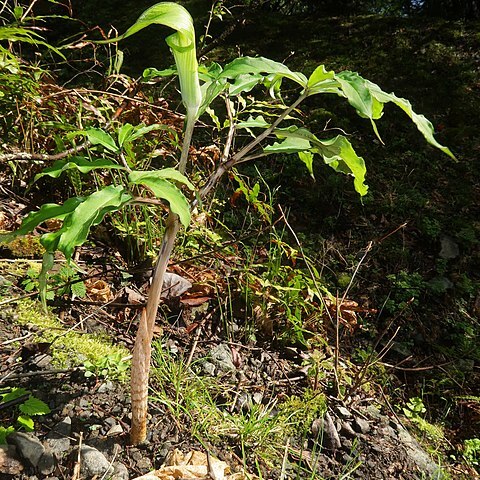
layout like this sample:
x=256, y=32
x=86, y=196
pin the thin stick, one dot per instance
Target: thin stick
x=337, y=348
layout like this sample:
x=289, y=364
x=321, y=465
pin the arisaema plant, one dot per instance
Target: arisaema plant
x=268, y=136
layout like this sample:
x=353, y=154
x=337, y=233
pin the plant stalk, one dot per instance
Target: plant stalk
x=142, y=350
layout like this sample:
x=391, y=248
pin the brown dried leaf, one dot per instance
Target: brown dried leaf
x=98, y=290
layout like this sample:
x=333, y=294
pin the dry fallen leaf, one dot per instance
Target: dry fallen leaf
x=174, y=285
x=194, y=465
x=98, y=290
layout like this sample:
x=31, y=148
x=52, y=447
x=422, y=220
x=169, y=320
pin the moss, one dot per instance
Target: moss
x=70, y=348
x=298, y=413
x=19, y=267
x=25, y=246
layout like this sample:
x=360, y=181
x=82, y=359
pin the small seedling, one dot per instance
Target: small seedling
x=114, y=366
x=25, y=406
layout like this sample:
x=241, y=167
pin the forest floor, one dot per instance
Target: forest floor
x=383, y=386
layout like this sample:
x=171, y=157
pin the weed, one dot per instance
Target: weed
x=26, y=407
x=471, y=451
x=112, y=366
x=414, y=411
x=64, y=282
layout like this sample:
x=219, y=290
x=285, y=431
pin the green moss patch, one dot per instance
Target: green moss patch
x=70, y=348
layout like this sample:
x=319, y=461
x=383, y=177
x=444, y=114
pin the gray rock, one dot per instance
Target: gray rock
x=347, y=430
x=9, y=463
x=120, y=472
x=221, y=357
x=47, y=462
x=208, y=368
x=115, y=430
x=387, y=431
x=257, y=397
x=243, y=402
x=361, y=425
x=420, y=457
x=57, y=439
x=28, y=446
x=344, y=412
x=324, y=429
x=42, y=360
x=93, y=462
x=449, y=248
x=107, y=386
x=373, y=412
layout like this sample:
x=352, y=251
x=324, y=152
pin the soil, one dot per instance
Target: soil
x=364, y=440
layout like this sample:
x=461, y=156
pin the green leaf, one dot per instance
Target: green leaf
x=150, y=73
x=18, y=12
x=307, y=158
x=79, y=289
x=164, y=189
x=320, y=76
x=47, y=211
x=356, y=90
x=169, y=173
x=423, y=124
x=261, y=65
x=245, y=83
x=34, y=406
x=124, y=133
x=77, y=163
x=141, y=130
x=258, y=122
x=19, y=34
x=26, y=422
x=4, y=433
x=321, y=81
x=98, y=137
x=13, y=394
x=337, y=152
x=90, y=212
x=289, y=145
x=210, y=91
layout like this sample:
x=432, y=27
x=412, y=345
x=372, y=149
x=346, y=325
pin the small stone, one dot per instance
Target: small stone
x=9, y=463
x=208, y=368
x=343, y=412
x=57, y=439
x=46, y=464
x=324, y=429
x=221, y=357
x=373, y=412
x=347, y=430
x=110, y=421
x=42, y=361
x=258, y=397
x=28, y=446
x=361, y=425
x=347, y=444
x=243, y=402
x=120, y=472
x=115, y=430
x=174, y=285
x=94, y=462
x=106, y=387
